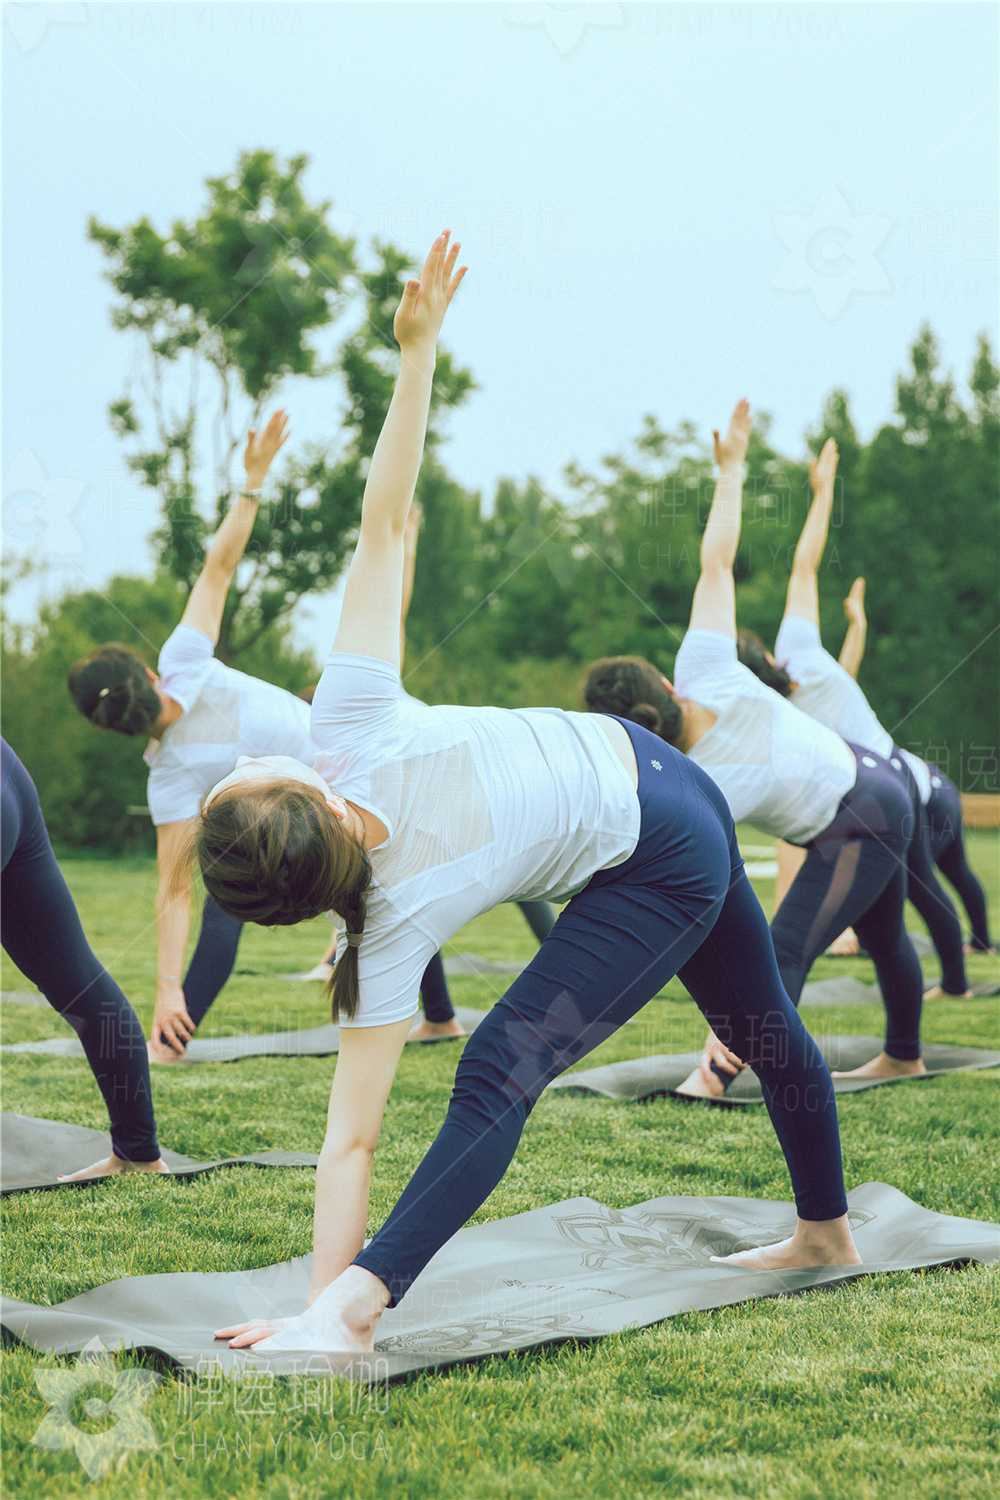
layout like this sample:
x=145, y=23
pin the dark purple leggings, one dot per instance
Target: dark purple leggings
x=681, y=904
x=929, y=896
x=944, y=824
x=855, y=875
x=42, y=933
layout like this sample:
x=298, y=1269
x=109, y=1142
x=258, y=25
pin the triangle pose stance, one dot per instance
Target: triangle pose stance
x=790, y=776
x=802, y=671
x=42, y=933
x=941, y=804
x=201, y=717
x=423, y=817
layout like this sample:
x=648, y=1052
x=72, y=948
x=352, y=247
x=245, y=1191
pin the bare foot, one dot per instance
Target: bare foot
x=817, y=1244
x=321, y=971
x=972, y=949
x=701, y=1085
x=885, y=1066
x=436, y=1031
x=114, y=1166
x=165, y=1055
x=937, y=993
x=844, y=946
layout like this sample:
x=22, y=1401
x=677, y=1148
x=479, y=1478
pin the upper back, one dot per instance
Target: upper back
x=225, y=714
x=778, y=768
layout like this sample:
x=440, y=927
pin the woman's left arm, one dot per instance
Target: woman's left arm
x=208, y=597
x=369, y=620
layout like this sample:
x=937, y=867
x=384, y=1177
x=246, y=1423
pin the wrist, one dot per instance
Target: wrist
x=420, y=356
x=251, y=488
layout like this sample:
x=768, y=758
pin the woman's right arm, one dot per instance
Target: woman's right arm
x=207, y=602
x=802, y=599
x=852, y=652
x=714, y=604
x=172, y=1025
x=366, y=1067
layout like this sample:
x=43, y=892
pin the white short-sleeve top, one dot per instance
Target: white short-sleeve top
x=226, y=714
x=777, y=767
x=827, y=693
x=482, y=805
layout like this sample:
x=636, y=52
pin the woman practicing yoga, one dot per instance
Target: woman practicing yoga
x=41, y=932
x=202, y=717
x=423, y=818
x=802, y=671
x=942, y=813
x=788, y=775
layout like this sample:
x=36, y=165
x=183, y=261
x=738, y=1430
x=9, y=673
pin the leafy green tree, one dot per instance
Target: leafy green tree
x=225, y=308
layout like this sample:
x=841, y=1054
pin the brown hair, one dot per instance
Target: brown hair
x=275, y=854
x=632, y=688
x=111, y=688
x=754, y=654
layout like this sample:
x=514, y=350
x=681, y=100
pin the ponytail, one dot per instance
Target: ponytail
x=754, y=654
x=111, y=688
x=631, y=687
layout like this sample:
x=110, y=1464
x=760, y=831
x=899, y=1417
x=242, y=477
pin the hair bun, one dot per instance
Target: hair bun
x=646, y=715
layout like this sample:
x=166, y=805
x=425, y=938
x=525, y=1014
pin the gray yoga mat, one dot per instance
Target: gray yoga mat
x=313, y=1041
x=33, y=1153
x=845, y=989
x=646, y=1077
x=22, y=997
x=572, y=1270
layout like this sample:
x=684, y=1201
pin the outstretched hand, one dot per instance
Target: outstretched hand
x=262, y=448
x=823, y=470
x=854, y=604
x=732, y=449
x=424, y=303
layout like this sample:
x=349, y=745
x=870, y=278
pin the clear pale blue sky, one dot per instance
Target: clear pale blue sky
x=664, y=207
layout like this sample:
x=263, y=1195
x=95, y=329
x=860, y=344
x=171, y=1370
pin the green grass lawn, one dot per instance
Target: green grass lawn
x=879, y=1388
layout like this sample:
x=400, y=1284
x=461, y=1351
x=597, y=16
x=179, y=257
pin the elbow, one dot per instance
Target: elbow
x=356, y=1150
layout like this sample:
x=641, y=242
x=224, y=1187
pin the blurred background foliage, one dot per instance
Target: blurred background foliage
x=517, y=590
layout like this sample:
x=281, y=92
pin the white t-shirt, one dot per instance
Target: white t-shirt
x=226, y=714
x=482, y=805
x=827, y=693
x=778, y=768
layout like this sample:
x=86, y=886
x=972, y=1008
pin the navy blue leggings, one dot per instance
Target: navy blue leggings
x=854, y=875
x=41, y=932
x=944, y=826
x=434, y=997
x=930, y=897
x=680, y=904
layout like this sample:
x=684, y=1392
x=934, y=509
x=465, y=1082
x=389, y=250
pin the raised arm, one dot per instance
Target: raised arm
x=802, y=598
x=411, y=537
x=208, y=597
x=714, y=603
x=852, y=652
x=369, y=621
